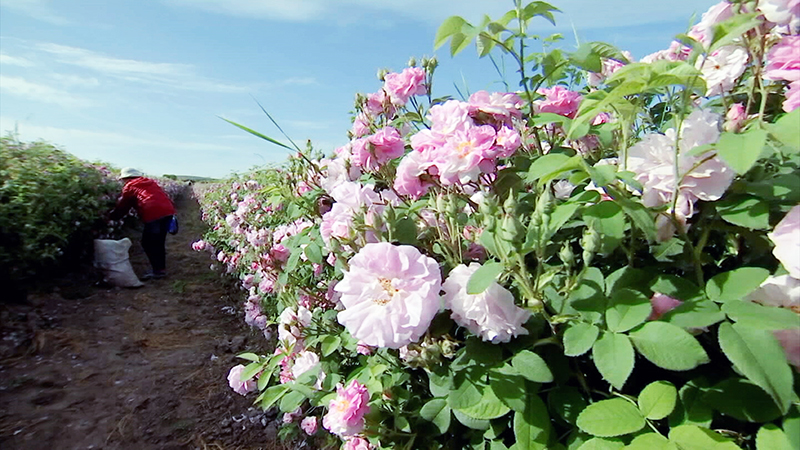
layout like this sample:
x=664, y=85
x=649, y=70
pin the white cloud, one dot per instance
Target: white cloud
x=174, y=75
x=40, y=92
x=37, y=9
x=15, y=61
x=583, y=14
x=74, y=80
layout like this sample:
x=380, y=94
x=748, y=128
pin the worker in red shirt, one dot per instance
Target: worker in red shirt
x=156, y=211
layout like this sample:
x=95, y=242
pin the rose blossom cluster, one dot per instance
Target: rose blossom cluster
x=391, y=294
x=783, y=64
x=464, y=141
x=355, y=201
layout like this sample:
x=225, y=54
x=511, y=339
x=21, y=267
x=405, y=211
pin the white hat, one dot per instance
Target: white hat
x=129, y=172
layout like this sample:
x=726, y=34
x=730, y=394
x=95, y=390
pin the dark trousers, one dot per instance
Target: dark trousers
x=154, y=240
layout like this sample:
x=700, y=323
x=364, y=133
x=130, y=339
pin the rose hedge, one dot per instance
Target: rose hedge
x=607, y=258
x=52, y=206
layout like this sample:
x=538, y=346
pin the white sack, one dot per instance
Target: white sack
x=111, y=257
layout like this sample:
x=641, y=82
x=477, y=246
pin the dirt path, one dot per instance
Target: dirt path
x=86, y=367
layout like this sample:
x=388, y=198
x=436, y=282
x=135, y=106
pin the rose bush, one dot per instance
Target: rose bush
x=605, y=258
x=52, y=206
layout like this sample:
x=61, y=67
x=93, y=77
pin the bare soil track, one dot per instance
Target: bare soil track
x=89, y=367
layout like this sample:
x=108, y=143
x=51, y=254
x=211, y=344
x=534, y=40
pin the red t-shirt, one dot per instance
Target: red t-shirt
x=150, y=201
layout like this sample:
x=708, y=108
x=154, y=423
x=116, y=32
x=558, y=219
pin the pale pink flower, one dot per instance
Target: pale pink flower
x=308, y=361
x=782, y=291
x=236, y=383
x=735, y=118
x=345, y=415
x=309, y=425
x=703, y=32
x=507, y=141
x=609, y=66
x=675, y=52
x=357, y=443
x=781, y=12
x=448, y=117
x=792, y=101
x=199, y=245
x=289, y=417
x=662, y=304
x=401, y=86
x=386, y=144
x=790, y=341
x=460, y=158
x=497, y=107
x=360, y=125
x=363, y=349
x=722, y=68
x=378, y=103
x=492, y=314
x=390, y=294
x=786, y=237
x=409, y=179
x=562, y=189
x=783, y=60
x=352, y=199
x=558, y=100
x=653, y=162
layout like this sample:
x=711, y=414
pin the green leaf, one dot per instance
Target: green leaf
x=742, y=400
x=747, y=212
x=509, y=387
x=669, y=346
x=786, y=131
x=546, y=165
x=694, y=314
x=449, y=27
x=626, y=309
x=532, y=366
x=602, y=444
x=313, y=253
x=256, y=133
x=567, y=402
x=548, y=118
x=482, y=278
x=532, y=427
x=586, y=58
x=608, y=219
x=291, y=401
x=330, y=344
x=741, y=151
x=251, y=370
x=466, y=392
x=657, y=400
x=467, y=421
x=609, y=418
x=273, y=393
x=692, y=437
x=613, y=355
x=489, y=407
x=579, y=338
x=762, y=317
x=735, y=284
x=759, y=356
x=437, y=412
x=651, y=441
x=731, y=29
x=249, y=356
x=691, y=410
x=638, y=213
x=770, y=437
x=791, y=426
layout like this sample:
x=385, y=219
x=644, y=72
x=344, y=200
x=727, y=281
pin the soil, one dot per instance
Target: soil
x=86, y=366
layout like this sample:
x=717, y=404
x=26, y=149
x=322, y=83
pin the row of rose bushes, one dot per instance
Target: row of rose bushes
x=608, y=257
x=52, y=206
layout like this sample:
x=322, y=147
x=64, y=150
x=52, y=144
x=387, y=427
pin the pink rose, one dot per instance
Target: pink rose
x=792, y=94
x=346, y=412
x=309, y=425
x=786, y=237
x=662, y=304
x=401, y=86
x=390, y=294
x=387, y=144
x=236, y=383
x=492, y=314
x=790, y=341
x=783, y=60
x=781, y=12
x=357, y=443
x=559, y=100
x=735, y=118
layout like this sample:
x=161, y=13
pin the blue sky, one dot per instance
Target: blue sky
x=142, y=83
